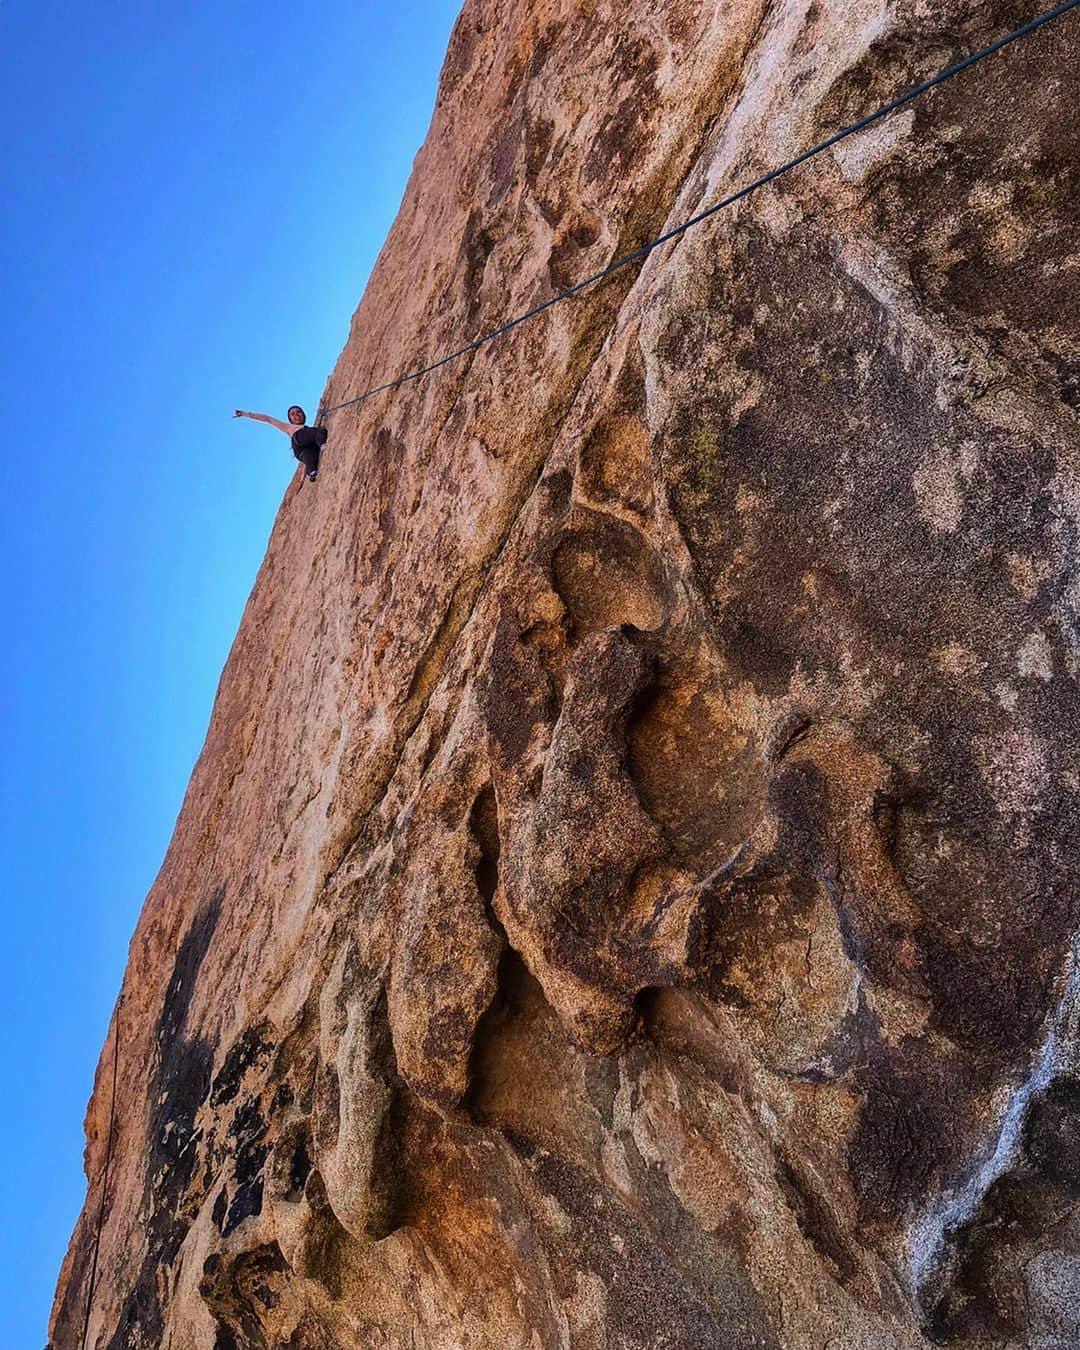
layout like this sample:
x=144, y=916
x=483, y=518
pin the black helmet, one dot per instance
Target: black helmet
x=296, y=408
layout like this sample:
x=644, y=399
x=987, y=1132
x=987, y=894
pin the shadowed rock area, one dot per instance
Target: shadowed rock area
x=627, y=895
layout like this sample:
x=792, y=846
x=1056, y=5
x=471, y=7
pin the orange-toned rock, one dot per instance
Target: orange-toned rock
x=627, y=896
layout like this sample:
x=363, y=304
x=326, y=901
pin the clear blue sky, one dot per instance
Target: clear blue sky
x=193, y=196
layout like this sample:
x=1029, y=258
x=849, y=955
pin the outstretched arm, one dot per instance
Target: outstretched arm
x=263, y=417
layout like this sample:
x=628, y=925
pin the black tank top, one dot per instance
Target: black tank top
x=303, y=438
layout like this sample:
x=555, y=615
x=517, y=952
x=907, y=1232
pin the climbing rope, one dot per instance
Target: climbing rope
x=104, y=1175
x=771, y=176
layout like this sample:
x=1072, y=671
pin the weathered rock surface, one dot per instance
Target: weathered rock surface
x=627, y=894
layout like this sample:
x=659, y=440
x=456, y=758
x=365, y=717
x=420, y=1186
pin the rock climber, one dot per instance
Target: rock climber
x=307, y=442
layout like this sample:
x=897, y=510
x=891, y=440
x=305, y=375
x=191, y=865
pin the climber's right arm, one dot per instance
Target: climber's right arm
x=264, y=417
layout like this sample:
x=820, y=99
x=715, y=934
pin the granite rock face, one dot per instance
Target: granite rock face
x=627, y=895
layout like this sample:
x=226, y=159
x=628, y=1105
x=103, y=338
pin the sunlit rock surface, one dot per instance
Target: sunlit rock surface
x=626, y=898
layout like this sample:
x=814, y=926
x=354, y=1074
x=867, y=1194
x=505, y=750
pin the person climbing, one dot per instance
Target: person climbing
x=307, y=442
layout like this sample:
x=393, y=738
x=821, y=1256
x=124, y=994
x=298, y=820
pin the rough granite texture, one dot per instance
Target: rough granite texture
x=626, y=897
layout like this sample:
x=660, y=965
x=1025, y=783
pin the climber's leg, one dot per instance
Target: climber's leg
x=308, y=455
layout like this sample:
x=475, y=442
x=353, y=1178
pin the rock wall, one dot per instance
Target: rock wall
x=626, y=897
